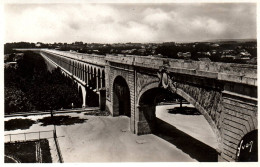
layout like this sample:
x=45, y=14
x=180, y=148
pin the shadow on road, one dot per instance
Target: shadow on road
x=186, y=143
x=15, y=124
x=61, y=120
x=184, y=111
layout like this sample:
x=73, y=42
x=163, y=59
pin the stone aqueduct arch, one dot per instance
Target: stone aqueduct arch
x=86, y=75
x=229, y=104
x=154, y=83
x=141, y=126
x=187, y=97
x=224, y=93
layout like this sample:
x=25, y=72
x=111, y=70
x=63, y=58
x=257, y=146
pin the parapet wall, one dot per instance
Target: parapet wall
x=239, y=73
x=88, y=58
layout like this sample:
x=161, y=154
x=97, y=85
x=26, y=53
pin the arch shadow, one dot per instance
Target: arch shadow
x=183, y=141
x=121, y=97
x=198, y=150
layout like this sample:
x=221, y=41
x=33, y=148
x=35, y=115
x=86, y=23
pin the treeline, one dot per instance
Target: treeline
x=30, y=86
x=212, y=50
x=8, y=47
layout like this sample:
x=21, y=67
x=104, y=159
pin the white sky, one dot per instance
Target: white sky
x=111, y=23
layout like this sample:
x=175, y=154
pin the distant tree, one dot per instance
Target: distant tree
x=253, y=52
x=168, y=51
x=10, y=58
x=8, y=47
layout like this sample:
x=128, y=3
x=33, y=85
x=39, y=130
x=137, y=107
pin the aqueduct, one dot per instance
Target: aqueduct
x=226, y=94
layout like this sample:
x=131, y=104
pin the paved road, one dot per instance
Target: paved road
x=108, y=139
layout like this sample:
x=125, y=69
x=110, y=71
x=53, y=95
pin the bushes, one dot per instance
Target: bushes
x=16, y=100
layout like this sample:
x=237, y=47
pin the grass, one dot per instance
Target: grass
x=46, y=155
x=61, y=120
x=25, y=152
x=15, y=124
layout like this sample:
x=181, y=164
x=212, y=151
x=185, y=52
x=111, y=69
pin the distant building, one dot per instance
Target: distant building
x=244, y=54
x=227, y=51
x=204, y=53
x=185, y=55
x=215, y=45
x=205, y=59
x=78, y=43
x=158, y=55
x=95, y=51
x=141, y=51
x=10, y=65
x=213, y=52
x=229, y=56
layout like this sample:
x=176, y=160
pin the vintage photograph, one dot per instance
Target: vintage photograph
x=130, y=82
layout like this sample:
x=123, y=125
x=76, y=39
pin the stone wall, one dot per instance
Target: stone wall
x=239, y=118
x=128, y=74
x=231, y=112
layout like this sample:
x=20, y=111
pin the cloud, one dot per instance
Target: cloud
x=109, y=23
x=157, y=18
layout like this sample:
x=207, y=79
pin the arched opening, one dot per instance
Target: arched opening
x=76, y=68
x=88, y=71
x=69, y=65
x=121, y=97
x=95, y=79
x=73, y=68
x=172, y=118
x=90, y=78
x=80, y=97
x=99, y=79
x=80, y=70
x=247, y=150
x=92, y=98
x=84, y=73
x=103, y=79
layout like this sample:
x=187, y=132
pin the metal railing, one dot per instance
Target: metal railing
x=25, y=138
